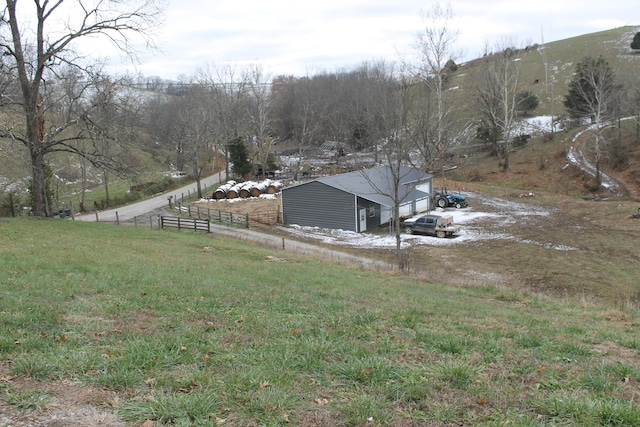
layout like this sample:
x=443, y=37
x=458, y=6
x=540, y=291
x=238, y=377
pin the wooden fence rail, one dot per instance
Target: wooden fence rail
x=229, y=218
x=185, y=223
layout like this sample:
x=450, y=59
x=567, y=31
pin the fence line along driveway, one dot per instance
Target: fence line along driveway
x=145, y=207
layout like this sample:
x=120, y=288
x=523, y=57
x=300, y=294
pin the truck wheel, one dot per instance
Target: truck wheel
x=442, y=202
x=441, y=234
x=408, y=230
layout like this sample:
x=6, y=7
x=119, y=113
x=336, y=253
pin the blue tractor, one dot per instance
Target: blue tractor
x=443, y=200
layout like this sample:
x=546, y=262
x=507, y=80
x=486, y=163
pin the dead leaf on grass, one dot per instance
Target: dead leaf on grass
x=218, y=419
x=264, y=384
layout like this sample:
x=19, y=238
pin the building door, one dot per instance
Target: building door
x=363, y=220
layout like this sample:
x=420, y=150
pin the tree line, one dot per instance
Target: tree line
x=52, y=101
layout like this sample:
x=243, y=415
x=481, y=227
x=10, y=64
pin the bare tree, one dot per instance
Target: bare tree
x=435, y=45
x=33, y=57
x=593, y=93
x=112, y=125
x=198, y=142
x=497, y=94
x=306, y=107
x=259, y=114
x=227, y=97
x=392, y=108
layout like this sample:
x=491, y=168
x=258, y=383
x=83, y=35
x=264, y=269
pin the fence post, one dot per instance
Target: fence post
x=97, y=220
x=135, y=221
x=151, y=221
x=178, y=223
x=117, y=218
x=246, y=220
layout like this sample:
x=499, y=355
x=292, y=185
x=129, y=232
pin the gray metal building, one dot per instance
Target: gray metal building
x=356, y=201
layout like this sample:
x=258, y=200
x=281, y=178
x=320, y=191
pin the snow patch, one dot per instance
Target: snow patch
x=473, y=230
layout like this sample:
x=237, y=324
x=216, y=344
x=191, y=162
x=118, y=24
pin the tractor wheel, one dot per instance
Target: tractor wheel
x=458, y=205
x=408, y=230
x=441, y=234
x=442, y=202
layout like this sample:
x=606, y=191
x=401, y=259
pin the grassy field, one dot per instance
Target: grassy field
x=191, y=329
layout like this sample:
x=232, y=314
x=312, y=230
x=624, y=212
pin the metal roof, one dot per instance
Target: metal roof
x=376, y=184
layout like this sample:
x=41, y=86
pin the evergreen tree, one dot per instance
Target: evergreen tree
x=526, y=101
x=239, y=157
x=591, y=86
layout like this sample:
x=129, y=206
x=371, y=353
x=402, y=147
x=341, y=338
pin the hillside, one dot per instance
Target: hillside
x=543, y=165
x=547, y=69
x=148, y=328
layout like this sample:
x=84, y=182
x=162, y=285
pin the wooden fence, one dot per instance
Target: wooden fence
x=185, y=223
x=272, y=217
x=201, y=219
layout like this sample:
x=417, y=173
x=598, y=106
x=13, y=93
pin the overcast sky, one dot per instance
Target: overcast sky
x=302, y=37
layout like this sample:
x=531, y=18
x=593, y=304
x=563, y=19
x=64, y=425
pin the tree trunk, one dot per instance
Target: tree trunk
x=39, y=185
x=11, y=205
x=106, y=188
x=505, y=163
x=83, y=165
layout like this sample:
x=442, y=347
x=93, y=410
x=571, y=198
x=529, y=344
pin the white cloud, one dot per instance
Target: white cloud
x=292, y=37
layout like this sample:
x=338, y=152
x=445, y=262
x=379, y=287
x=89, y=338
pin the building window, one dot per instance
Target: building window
x=372, y=211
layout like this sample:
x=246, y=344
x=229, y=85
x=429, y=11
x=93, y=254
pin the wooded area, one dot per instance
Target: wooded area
x=65, y=120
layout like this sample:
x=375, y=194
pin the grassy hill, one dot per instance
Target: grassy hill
x=547, y=69
x=542, y=165
x=122, y=325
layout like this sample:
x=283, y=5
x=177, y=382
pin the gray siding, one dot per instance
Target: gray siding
x=318, y=205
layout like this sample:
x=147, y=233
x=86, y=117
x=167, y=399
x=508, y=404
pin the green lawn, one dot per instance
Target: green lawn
x=196, y=329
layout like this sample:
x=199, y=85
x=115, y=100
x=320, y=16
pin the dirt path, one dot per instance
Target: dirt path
x=577, y=157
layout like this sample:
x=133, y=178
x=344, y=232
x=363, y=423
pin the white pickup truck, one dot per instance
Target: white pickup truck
x=434, y=225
